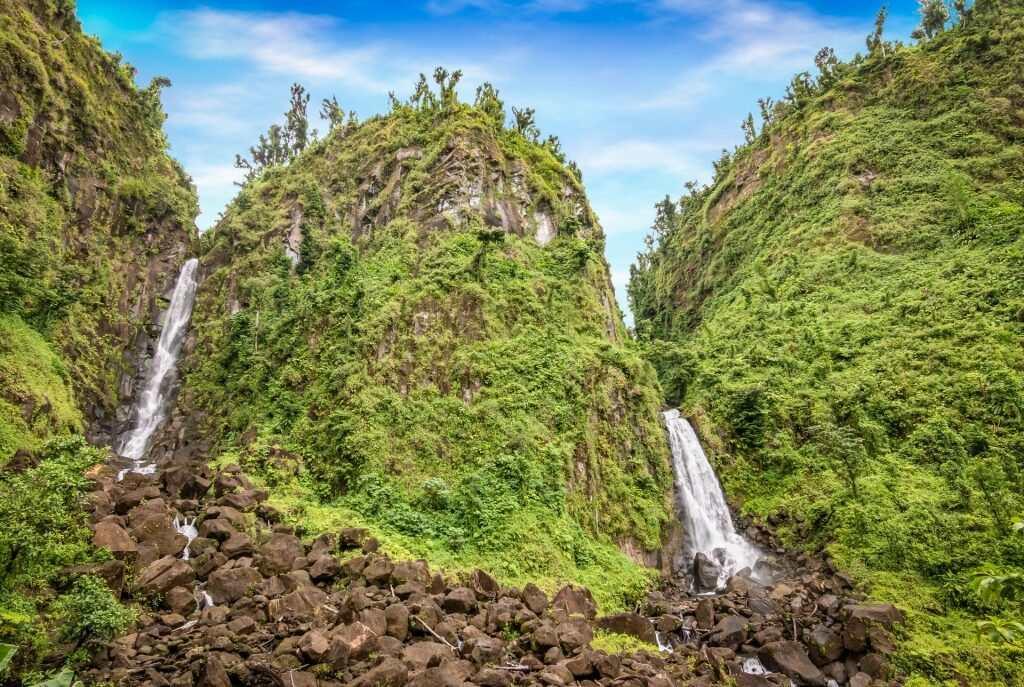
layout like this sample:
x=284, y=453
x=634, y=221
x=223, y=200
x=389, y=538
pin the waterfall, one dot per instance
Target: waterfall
x=706, y=518
x=187, y=529
x=154, y=404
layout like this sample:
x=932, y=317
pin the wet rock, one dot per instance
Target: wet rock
x=180, y=600
x=791, y=659
x=705, y=574
x=631, y=624
x=300, y=605
x=158, y=532
x=705, y=614
x=163, y=575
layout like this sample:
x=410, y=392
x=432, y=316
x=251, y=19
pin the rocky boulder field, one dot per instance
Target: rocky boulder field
x=249, y=601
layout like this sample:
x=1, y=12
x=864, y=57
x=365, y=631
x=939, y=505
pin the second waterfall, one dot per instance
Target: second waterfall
x=157, y=397
x=706, y=518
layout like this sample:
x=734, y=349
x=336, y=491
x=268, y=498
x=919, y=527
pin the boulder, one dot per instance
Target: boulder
x=112, y=536
x=397, y=619
x=158, y=532
x=313, y=646
x=326, y=568
x=358, y=639
x=227, y=586
x=460, y=600
x=389, y=673
x=483, y=584
x=237, y=545
x=631, y=624
x=575, y=602
x=731, y=632
x=865, y=626
x=823, y=644
x=378, y=571
x=423, y=655
x=705, y=614
x=111, y=572
x=278, y=555
x=217, y=529
x=791, y=659
x=574, y=634
x=535, y=599
x=301, y=605
x=351, y=538
x=705, y=574
x=163, y=575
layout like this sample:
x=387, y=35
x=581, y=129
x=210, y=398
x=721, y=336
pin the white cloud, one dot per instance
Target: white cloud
x=679, y=158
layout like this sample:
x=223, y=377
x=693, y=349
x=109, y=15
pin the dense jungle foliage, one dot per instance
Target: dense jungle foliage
x=411, y=327
x=842, y=309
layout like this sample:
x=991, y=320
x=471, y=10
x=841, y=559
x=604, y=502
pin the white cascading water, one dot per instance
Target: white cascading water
x=158, y=393
x=187, y=529
x=706, y=517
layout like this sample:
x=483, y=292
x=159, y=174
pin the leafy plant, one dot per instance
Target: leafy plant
x=91, y=612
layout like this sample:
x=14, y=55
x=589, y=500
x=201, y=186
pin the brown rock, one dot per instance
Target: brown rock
x=114, y=537
x=163, y=575
x=227, y=586
x=216, y=529
x=791, y=659
x=314, y=646
x=237, y=545
x=301, y=605
x=359, y=641
x=378, y=571
x=397, y=618
x=730, y=632
x=535, y=599
x=575, y=602
x=632, y=624
x=351, y=538
x=427, y=654
x=574, y=634
x=278, y=554
x=214, y=673
x=326, y=568
x=705, y=614
x=823, y=645
x=483, y=584
x=389, y=673
x=460, y=600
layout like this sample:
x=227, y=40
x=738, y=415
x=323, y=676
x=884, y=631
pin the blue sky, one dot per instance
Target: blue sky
x=644, y=95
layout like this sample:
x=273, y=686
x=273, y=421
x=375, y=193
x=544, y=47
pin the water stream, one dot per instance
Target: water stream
x=706, y=518
x=158, y=394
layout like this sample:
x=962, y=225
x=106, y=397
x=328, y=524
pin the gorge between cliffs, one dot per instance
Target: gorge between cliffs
x=384, y=422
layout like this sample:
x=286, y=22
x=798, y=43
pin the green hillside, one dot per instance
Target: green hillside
x=415, y=316
x=843, y=310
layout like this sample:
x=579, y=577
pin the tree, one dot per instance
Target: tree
x=766, y=105
x=332, y=112
x=281, y=144
x=490, y=103
x=1003, y=588
x=525, y=124
x=446, y=85
x=826, y=62
x=844, y=446
x=874, y=41
x=934, y=15
x=749, y=133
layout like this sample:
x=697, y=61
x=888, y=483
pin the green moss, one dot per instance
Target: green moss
x=615, y=643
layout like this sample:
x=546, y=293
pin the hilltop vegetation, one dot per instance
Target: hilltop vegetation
x=842, y=309
x=411, y=327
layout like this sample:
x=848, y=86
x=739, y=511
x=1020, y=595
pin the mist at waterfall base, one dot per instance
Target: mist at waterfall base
x=158, y=393
x=706, y=519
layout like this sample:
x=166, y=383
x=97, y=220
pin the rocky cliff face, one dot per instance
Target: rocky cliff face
x=418, y=313
x=95, y=219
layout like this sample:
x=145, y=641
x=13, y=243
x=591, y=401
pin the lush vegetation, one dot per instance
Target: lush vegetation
x=380, y=318
x=88, y=197
x=842, y=309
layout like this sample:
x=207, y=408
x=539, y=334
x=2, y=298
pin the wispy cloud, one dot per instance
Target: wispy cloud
x=680, y=158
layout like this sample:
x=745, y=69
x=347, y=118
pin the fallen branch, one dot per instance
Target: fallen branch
x=439, y=637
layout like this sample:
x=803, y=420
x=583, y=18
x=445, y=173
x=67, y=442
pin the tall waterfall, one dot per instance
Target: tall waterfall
x=706, y=518
x=154, y=404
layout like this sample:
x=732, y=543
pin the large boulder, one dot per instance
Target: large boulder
x=423, y=655
x=227, y=586
x=112, y=536
x=535, y=599
x=278, y=555
x=824, y=645
x=705, y=574
x=163, y=575
x=731, y=632
x=867, y=627
x=358, y=639
x=631, y=624
x=575, y=601
x=791, y=659
x=301, y=605
x=388, y=673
